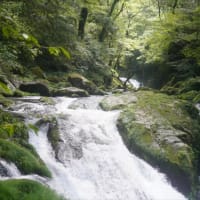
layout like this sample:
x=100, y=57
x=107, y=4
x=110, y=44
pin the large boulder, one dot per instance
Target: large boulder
x=35, y=87
x=70, y=92
x=163, y=131
x=80, y=81
x=118, y=101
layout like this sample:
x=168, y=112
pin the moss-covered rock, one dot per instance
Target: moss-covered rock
x=5, y=90
x=5, y=102
x=70, y=92
x=35, y=87
x=117, y=101
x=53, y=131
x=26, y=190
x=80, y=81
x=187, y=90
x=23, y=159
x=14, y=145
x=12, y=127
x=38, y=72
x=54, y=135
x=162, y=130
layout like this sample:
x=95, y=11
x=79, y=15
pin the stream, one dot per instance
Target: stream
x=92, y=160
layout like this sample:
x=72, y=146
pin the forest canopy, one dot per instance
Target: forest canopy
x=100, y=39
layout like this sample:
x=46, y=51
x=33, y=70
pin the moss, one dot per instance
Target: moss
x=47, y=100
x=4, y=101
x=4, y=90
x=38, y=72
x=26, y=190
x=118, y=101
x=196, y=99
x=19, y=93
x=53, y=132
x=12, y=127
x=188, y=95
x=24, y=160
x=187, y=90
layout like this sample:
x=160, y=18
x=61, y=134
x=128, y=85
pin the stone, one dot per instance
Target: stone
x=158, y=128
x=80, y=81
x=118, y=101
x=70, y=92
x=35, y=87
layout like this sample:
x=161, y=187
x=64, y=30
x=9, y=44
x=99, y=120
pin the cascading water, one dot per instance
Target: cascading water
x=93, y=161
x=132, y=82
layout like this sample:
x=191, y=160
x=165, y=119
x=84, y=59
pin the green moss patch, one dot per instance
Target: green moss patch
x=4, y=90
x=187, y=90
x=4, y=101
x=24, y=160
x=12, y=127
x=26, y=190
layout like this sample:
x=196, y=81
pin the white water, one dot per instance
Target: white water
x=12, y=170
x=132, y=82
x=198, y=107
x=95, y=164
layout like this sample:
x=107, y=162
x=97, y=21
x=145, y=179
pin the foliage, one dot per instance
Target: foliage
x=26, y=190
x=12, y=127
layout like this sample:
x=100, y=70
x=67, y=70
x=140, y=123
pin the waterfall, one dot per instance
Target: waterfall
x=93, y=160
x=198, y=107
x=132, y=82
x=8, y=170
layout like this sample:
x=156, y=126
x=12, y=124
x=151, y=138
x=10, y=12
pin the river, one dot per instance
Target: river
x=92, y=160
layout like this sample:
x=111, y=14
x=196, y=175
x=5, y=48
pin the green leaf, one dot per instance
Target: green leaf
x=65, y=52
x=54, y=51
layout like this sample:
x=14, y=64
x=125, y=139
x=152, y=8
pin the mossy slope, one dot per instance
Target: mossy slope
x=14, y=146
x=26, y=190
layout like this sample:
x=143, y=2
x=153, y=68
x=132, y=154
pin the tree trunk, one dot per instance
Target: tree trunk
x=174, y=6
x=103, y=33
x=82, y=21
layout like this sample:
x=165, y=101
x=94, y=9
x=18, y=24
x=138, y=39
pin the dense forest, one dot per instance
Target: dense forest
x=155, y=41
x=47, y=46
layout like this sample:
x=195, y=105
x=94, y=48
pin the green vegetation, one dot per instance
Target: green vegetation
x=89, y=44
x=14, y=146
x=26, y=190
x=24, y=160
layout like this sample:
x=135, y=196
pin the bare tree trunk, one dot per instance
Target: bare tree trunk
x=103, y=33
x=126, y=81
x=82, y=21
x=174, y=6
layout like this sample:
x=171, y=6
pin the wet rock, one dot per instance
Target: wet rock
x=160, y=130
x=35, y=87
x=80, y=81
x=70, y=92
x=118, y=101
x=3, y=171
